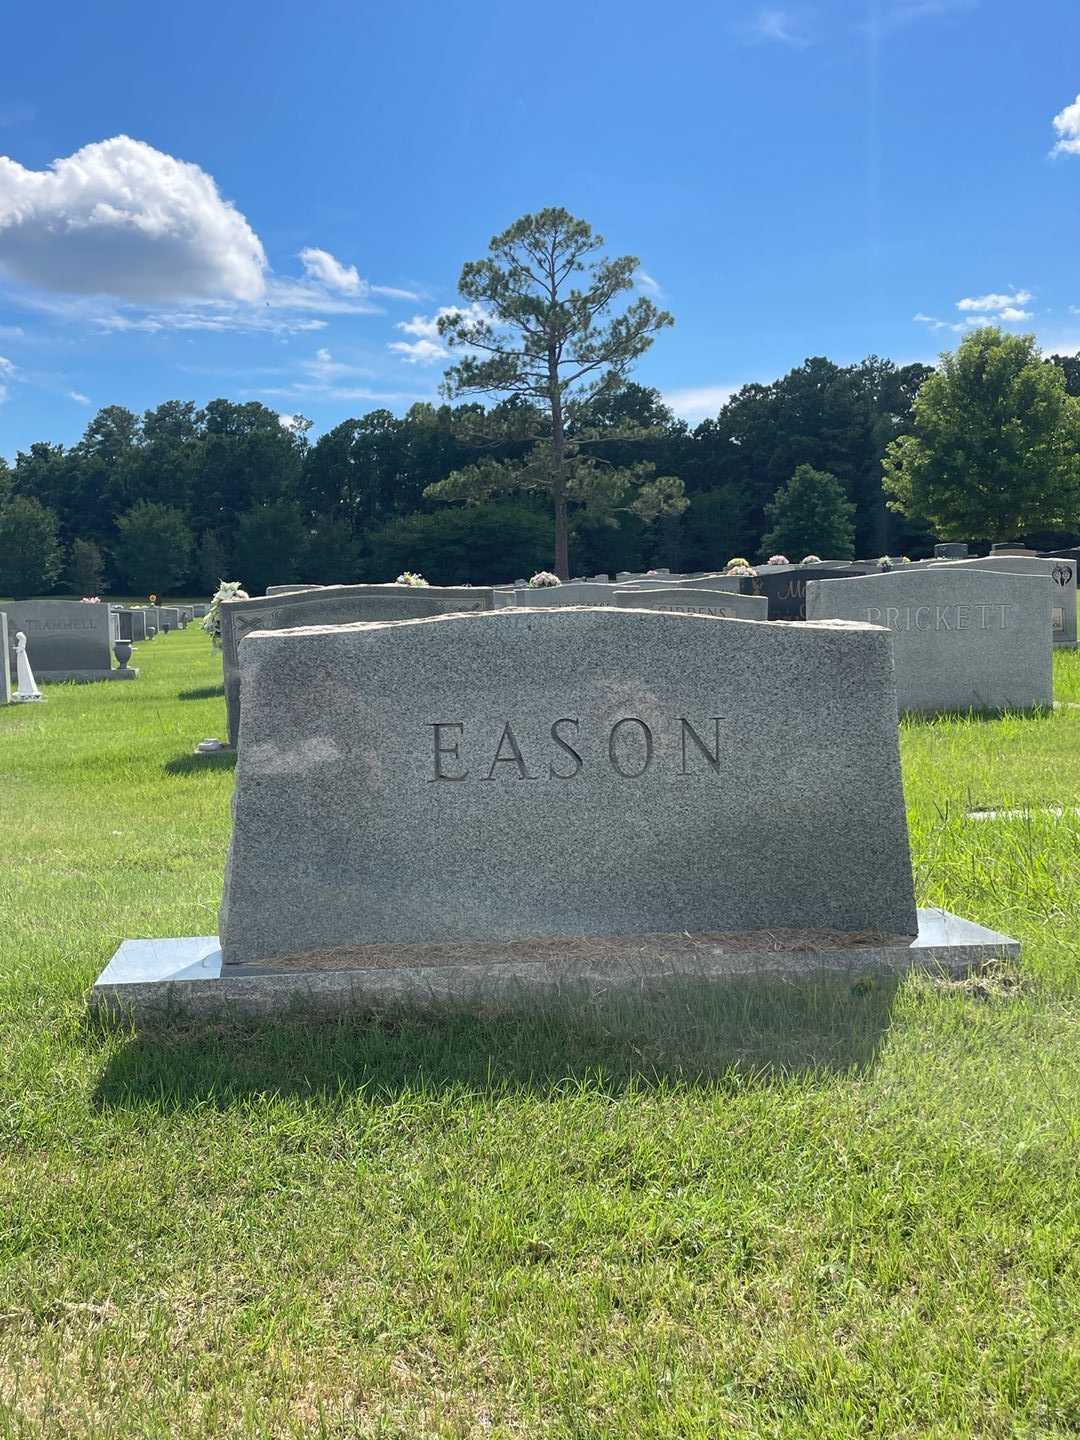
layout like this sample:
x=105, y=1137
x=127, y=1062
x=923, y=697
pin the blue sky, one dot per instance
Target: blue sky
x=298, y=189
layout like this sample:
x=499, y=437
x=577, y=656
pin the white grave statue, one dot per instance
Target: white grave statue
x=28, y=689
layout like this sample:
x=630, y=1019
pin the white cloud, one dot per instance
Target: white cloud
x=979, y=310
x=426, y=326
x=935, y=324
x=427, y=347
x=1067, y=124
x=326, y=270
x=392, y=292
x=986, y=303
x=907, y=12
x=120, y=218
x=700, y=402
x=323, y=367
x=79, y=397
x=419, y=352
x=221, y=319
x=125, y=237
x=644, y=281
x=304, y=393
x=775, y=24
x=323, y=267
x=6, y=366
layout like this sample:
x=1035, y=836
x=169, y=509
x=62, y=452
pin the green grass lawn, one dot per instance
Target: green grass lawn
x=815, y=1210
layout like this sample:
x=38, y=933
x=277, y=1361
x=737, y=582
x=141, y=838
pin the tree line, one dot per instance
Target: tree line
x=179, y=497
x=575, y=466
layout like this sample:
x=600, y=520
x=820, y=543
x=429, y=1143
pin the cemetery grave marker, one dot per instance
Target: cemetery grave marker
x=475, y=807
x=66, y=639
x=330, y=605
x=690, y=601
x=963, y=639
x=1062, y=573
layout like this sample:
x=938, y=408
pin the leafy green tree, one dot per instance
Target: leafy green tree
x=269, y=545
x=838, y=419
x=1069, y=365
x=713, y=529
x=211, y=562
x=539, y=328
x=810, y=515
x=248, y=459
x=86, y=568
x=331, y=554
x=995, y=451
x=153, y=548
x=479, y=544
x=31, y=556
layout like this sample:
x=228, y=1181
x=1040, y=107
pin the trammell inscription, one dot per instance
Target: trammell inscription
x=629, y=749
x=943, y=617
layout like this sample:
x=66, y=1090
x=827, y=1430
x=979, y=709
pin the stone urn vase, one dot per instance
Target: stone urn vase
x=122, y=651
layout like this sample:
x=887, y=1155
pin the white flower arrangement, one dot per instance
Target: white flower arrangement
x=211, y=621
x=543, y=579
x=779, y=560
x=811, y=559
x=410, y=577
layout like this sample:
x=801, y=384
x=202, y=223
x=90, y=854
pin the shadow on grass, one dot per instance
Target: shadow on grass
x=194, y=764
x=208, y=692
x=722, y=1035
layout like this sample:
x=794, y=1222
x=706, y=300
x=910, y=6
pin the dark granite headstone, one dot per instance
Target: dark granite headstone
x=784, y=586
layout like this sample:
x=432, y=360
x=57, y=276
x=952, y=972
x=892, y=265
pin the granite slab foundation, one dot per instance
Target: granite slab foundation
x=83, y=677
x=151, y=982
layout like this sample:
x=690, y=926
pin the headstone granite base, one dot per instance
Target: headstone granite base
x=83, y=677
x=155, y=981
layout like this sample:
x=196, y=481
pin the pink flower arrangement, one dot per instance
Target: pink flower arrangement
x=779, y=560
x=90, y=600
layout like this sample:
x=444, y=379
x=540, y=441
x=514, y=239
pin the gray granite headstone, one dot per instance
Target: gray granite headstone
x=574, y=592
x=951, y=550
x=330, y=605
x=729, y=584
x=290, y=589
x=65, y=639
x=563, y=773
x=170, y=618
x=1062, y=574
x=5, y=677
x=685, y=599
x=963, y=639
x=138, y=624
x=125, y=627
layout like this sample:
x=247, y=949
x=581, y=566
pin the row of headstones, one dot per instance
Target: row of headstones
x=495, y=732
x=972, y=634
x=71, y=640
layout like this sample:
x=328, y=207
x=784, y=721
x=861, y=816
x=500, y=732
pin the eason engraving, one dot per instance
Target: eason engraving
x=630, y=747
x=943, y=617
